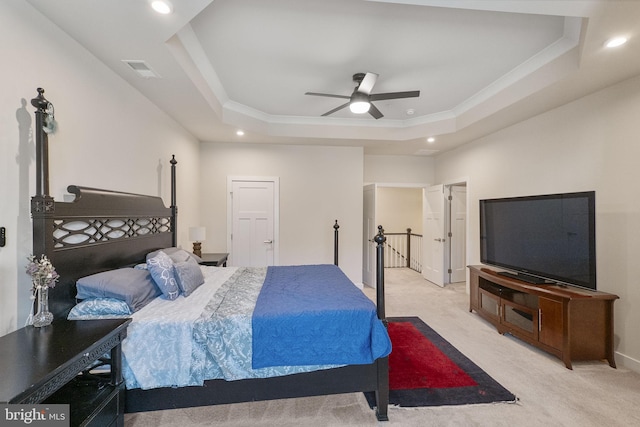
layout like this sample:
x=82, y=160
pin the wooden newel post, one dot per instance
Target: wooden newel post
x=174, y=207
x=380, y=239
x=408, y=248
x=335, y=243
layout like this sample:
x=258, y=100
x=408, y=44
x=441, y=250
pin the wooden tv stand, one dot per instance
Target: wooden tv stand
x=568, y=322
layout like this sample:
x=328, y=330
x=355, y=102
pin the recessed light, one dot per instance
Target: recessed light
x=162, y=6
x=239, y=132
x=616, y=41
x=431, y=140
x=410, y=112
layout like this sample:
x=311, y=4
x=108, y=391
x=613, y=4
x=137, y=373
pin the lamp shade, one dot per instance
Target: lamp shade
x=197, y=234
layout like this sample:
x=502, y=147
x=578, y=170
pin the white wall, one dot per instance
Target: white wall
x=399, y=208
x=109, y=136
x=398, y=169
x=317, y=186
x=590, y=144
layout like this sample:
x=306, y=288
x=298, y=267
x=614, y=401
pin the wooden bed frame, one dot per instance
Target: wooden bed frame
x=101, y=230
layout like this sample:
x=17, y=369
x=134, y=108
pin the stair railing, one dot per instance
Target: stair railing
x=403, y=250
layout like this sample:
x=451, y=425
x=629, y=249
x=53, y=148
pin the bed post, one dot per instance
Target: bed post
x=42, y=205
x=380, y=239
x=382, y=394
x=335, y=243
x=174, y=207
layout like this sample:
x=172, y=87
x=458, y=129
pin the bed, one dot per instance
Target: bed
x=102, y=231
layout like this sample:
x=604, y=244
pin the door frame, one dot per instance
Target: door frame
x=447, y=183
x=276, y=211
x=377, y=186
x=368, y=246
x=449, y=227
x=466, y=182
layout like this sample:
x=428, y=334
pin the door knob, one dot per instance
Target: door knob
x=268, y=241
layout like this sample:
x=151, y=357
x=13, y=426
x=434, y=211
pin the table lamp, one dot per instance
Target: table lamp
x=197, y=235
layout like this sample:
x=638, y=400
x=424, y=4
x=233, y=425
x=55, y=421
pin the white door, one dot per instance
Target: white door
x=253, y=222
x=368, y=233
x=434, y=235
x=458, y=233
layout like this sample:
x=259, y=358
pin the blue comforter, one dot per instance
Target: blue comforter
x=314, y=315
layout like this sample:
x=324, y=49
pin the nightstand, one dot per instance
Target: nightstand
x=41, y=365
x=215, y=260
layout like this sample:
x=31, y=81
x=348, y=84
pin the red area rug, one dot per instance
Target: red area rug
x=426, y=370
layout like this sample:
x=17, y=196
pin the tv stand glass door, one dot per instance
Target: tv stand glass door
x=511, y=309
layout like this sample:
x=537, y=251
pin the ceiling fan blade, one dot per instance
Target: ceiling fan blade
x=395, y=95
x=366, y=85
x=336, y=109
x=375, y=113
x=328, y=94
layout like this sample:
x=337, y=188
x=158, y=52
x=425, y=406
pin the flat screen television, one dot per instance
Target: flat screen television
x=541, y=239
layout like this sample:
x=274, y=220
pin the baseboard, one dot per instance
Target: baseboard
x=625, y=361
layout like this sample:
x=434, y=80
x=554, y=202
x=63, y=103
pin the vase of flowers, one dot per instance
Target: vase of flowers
x=43, y=276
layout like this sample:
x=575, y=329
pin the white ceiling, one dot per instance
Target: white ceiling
x=480, y=65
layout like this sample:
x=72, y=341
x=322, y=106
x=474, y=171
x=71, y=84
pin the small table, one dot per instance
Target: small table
x=215, y=260
x=41, y=365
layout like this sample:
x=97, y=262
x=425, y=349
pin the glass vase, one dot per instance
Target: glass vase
x=43, y=316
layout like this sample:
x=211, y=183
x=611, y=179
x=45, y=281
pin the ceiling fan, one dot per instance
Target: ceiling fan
x=360, y=99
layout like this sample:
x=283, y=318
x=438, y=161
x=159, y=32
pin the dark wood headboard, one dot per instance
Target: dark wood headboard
x=99, y=230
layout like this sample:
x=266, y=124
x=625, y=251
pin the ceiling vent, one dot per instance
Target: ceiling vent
x=141, y=68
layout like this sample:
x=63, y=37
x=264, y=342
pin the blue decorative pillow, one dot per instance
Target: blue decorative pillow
x=99, y=307
x=176, y=255
x=161, y=269
x=188, y=275
x=133, y=286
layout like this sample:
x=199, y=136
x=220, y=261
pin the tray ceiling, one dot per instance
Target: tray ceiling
x=480, y=65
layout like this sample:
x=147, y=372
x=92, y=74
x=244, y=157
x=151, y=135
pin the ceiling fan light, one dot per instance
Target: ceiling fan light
x=359, y=107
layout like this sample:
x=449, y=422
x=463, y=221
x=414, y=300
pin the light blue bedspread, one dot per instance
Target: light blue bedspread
x=207, y=335
x=314, y=315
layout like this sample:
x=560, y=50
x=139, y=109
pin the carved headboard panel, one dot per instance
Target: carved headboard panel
x=99, y=230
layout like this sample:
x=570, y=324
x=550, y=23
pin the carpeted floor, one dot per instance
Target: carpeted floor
x=592, y=394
